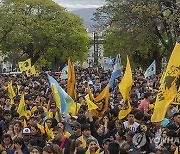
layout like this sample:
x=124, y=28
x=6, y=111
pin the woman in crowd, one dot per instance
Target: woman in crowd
x=36, y=135
x=16, y=130
x=36, y=150
x=120, y=139
x=93, y=147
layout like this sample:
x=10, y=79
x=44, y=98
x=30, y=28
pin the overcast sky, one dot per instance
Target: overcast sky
x=80, y=4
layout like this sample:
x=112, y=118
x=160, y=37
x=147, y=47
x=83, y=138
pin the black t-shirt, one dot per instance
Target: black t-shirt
x=173, y=126
x=74, y=137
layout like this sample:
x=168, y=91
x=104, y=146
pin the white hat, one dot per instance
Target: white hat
x=74, y=117
x=26, y=131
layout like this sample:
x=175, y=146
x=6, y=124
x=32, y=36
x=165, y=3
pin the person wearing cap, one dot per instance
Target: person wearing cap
x=105, y=145
x=73, y=120
x=76, y=127
x=26, y=135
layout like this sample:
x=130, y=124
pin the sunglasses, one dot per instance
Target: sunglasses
x=74, y=129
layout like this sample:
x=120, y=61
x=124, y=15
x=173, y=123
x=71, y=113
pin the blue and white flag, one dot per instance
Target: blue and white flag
x=64, y=73
x=110, y=62
x=62, y=99
x=116, y=72
x=151, y=70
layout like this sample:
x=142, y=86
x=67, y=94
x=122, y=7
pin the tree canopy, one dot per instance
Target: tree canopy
x=146, y=30
x=41, y=29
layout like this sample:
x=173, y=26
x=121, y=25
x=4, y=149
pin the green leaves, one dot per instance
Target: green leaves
x=139, y=26
x=41, y=28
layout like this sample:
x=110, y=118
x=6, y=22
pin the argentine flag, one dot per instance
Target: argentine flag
x=62, y=99
x=110, y=62
x=151, y=70
x=116, y=72
x=64, y=74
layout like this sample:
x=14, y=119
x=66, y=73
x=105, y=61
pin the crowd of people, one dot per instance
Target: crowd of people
x=83, y=132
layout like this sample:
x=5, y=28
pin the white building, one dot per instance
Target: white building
x=5, y=65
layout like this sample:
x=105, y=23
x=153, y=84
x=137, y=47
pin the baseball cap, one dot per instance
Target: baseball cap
x=77, y=125
x=107, y=140
x=26, y=131
x=81, y=110
x=74, y=117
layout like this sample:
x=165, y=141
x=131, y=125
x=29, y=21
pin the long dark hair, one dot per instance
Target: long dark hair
x=6, y=136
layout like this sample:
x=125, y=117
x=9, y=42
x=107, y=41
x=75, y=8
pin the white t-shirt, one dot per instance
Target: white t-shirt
x=133, y=127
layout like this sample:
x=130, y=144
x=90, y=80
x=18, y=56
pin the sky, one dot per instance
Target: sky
x=80, y=4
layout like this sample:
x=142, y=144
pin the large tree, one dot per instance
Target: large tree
x=145, y=29
x=41, y=28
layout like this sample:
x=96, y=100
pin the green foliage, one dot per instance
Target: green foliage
x=140, y=28
x=41, y=28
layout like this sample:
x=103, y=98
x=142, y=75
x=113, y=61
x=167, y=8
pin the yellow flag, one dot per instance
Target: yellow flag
x=25, y=65
x=56, y=96
x=176, y=151
x=18, y=89
x=176, y=99
x=102, y=101
x=83, y=142
x=22, y=107
x=74, y=108
x=90, y=93
x=67, y=134
x=49, y=132
x=41, y=128
x=11, y=92
x=91, y=105
x=31, y=71
x=169, y=87
x=24, y=123
x=71, y=86
x=140, y=70
x=83, y=64
x=97, y=151
x=125, y=87
x=50, y=114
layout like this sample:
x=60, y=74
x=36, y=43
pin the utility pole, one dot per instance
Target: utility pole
x=95, y=49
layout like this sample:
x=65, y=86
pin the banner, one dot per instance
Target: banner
x=169, y=88
x=71, y=86
x=125, y=88
x=151, y=70
x=25, y=65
